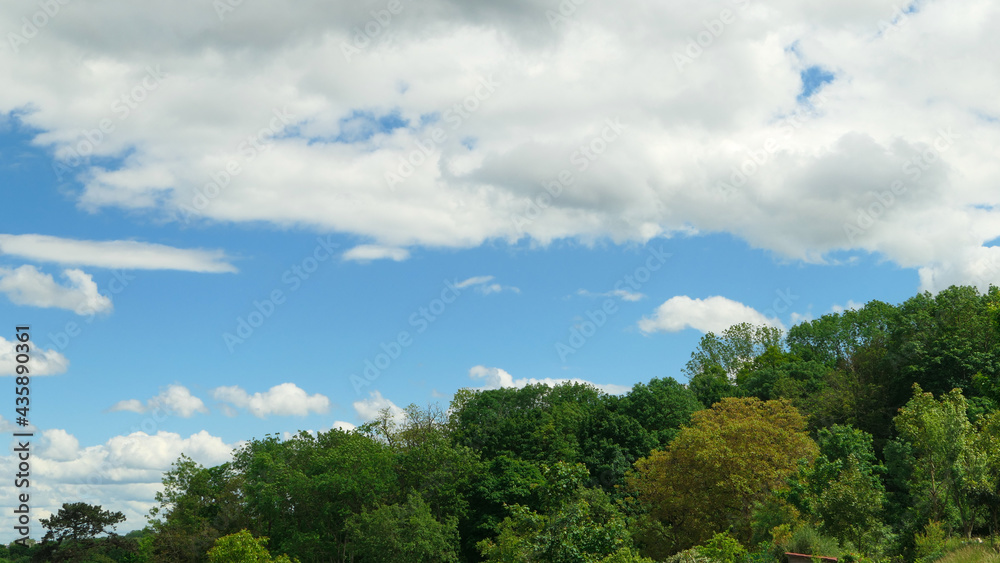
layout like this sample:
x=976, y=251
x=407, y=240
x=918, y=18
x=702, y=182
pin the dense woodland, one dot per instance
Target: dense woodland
x=872, y=434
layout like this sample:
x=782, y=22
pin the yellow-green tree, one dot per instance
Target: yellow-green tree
x=242, y=547
x=709, y=477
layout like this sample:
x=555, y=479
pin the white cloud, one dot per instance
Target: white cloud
x=623, y=294
x=175, y=399
x=125, y=254
x=124, y=472
x=370, y=408
x=366, y=252
x=483, y=285
x=496, y=378
x=41, y=361
x=712, y=314
x=27, y=286
x=851, y=304
x=59, y=445
x=685, y=132
x=286, y=399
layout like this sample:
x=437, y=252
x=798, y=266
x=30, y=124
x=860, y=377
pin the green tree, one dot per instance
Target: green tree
x=79, y=521
x=843, y=489
x=712, y=474
x=242, y=547
x=580, y=525
x=736, y=347
x=947, y=469
x=196, y=506
x=402, y=532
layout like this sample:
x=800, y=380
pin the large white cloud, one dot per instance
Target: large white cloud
x=285, y=399
x=175, y=399
x=125, y=254
x=262, y=114
x=125, y=472
x=712, y=314
x=41, y=361
x=28, y=286
x=496, y=378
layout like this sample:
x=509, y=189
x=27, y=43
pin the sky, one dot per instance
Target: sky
x=223, y=219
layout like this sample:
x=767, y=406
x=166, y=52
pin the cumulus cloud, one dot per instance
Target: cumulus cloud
x=124, y=254
x=175, y=399
x=286, y=399
x=742, y=139
x=368, y=252
x=59, y=445
x=370, y=408
x=123, y=472
x=496, y=378
x=41, y=361
x=27, y=286
x=712, y=314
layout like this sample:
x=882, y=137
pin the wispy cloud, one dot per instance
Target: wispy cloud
x=124, y=254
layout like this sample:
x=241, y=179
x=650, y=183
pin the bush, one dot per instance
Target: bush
x=722, y=548
x=808, y=541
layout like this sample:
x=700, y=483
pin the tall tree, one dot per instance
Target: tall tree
x=80, y=521
x=947, y=468
x=711, y=475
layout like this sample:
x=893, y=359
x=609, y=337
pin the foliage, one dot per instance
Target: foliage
x=402, y=532
x=710, y=477
x=79, y=521
x=242, y=547
x=584, y=526
x=722, y=548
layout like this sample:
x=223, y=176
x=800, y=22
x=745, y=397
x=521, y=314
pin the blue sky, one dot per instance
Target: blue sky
x=159, y=190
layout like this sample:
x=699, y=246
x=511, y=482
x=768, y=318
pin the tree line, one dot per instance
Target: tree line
x=871, y=434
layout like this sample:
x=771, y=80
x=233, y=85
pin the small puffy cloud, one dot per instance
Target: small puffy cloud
x=286, y=399
x=41, y=361
x=125, y=254
x=175, y=399
x=496, y=378
x=712, y=314
x=27, y=286
x=485, y=285
x=369, y=409
x=367, y=252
